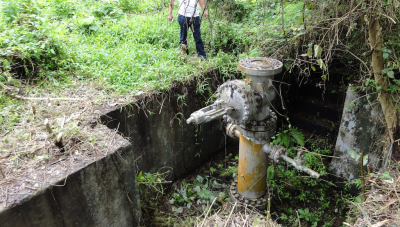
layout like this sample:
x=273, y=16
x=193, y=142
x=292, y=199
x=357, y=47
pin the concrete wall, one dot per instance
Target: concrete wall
x=104, y=193
x=162, y=140
x=361, y=129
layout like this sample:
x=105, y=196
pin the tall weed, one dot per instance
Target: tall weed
x=64, y=8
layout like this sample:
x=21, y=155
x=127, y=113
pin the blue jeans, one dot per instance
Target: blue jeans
x=185, y=24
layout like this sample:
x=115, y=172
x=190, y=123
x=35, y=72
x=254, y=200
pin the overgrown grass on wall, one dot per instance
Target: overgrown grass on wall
x=127, y=45
x=130, y=44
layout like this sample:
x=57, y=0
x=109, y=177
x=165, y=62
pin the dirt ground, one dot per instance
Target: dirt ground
x=382, y=204
x=30, y=157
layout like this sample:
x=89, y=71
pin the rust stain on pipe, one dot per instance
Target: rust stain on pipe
x=247, y=79
x=252, y=174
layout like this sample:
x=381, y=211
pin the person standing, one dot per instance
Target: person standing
x=189, y=19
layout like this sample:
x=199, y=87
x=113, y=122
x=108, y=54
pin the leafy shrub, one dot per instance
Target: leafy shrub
x=230, y=38
x=128, y=6
x=289, y=184
x=107, y=11
x=201, y=191
x=240, y=10
x=92, y=22
x=88, y=24
x=29, y=46
x=288, y=138
x=308, y=216
x=232, y=10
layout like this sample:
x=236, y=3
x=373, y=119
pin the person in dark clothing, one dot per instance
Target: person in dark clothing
x=189, y=19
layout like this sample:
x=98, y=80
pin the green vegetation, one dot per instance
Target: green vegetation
x=152, y=181
x=187, y=200
x=288, y=138
x=129, y=44
x=315, y=200
x=201, y=191
x=295, y=195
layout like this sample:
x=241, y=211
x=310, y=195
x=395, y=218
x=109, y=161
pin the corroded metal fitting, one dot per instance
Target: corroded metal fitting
x=243, y=103
x=260, y=203
x=231, y=130
x=259, y=132
x=276, y=153
x=209, y=113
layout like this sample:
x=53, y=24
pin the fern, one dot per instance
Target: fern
x=278, y=139
x=298, y=136
x=284, y=139
x=288, y=138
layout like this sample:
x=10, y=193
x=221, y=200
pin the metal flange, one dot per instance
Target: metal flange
x=260, y=203
x=259, y=132
x=260, y=66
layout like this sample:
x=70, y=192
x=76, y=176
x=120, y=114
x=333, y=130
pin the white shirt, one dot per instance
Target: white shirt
x=187, y=8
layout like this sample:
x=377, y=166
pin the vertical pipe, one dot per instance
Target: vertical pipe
x=252, y=173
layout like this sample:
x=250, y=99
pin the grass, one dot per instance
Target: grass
x=132, y=46
x=129, y=58
x=128, y=47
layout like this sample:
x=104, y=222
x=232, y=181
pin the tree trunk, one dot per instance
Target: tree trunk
x=385, y=99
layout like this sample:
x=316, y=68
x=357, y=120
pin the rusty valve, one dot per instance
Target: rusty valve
x=245, y=107
x=244, y=102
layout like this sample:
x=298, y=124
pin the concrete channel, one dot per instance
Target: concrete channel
x=104, y=192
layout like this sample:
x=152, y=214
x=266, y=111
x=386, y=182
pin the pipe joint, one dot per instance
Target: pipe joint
x=232, y=131
x=274, y=152
x=277, y=153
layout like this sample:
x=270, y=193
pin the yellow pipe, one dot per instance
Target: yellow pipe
x=252, y=173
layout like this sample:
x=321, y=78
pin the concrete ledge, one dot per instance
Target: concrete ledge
x=103, y=193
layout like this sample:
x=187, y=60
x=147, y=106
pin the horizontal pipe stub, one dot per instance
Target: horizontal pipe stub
x=277, y=153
